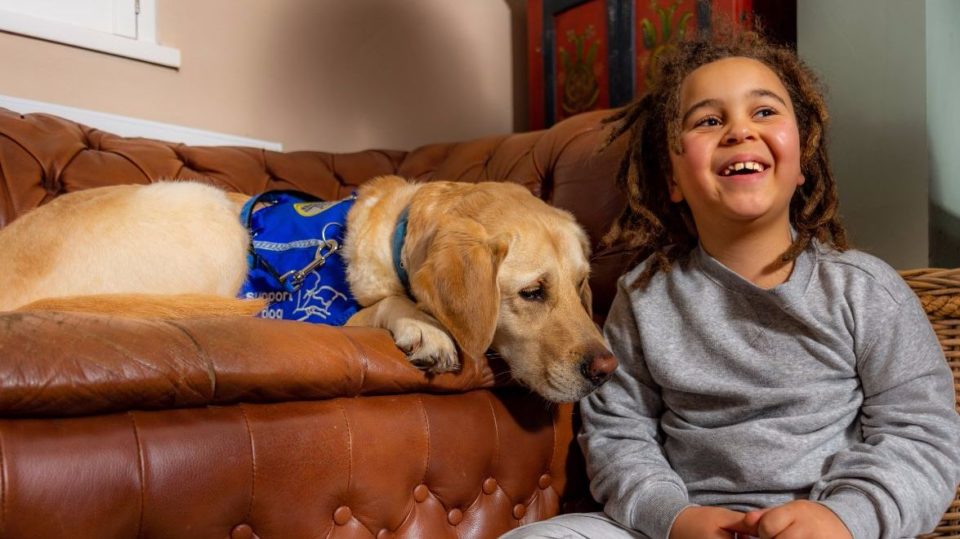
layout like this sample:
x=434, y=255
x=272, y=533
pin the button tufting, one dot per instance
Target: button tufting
x=519, y=511
x=454, y=517
x=489, y=486
x=383, y=534
x=242, y=531
x=420, y=493
x=342, y=515
x=545, y=481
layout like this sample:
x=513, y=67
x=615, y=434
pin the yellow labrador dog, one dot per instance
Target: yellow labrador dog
x=490, y=267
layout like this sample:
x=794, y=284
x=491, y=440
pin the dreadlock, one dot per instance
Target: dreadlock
x=653, y=226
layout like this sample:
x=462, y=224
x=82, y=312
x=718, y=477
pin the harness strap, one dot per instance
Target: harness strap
x=399, y=236
x=254, y=260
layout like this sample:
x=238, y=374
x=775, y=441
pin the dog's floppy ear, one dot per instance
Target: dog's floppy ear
x=586, y=296
x=457, y=282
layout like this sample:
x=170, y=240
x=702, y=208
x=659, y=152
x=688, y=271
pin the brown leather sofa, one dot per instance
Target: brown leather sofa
x=256, y=428
x=246, y=427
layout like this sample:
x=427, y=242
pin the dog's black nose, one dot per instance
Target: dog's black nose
x=598, y=366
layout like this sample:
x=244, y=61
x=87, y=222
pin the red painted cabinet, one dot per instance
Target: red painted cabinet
x=594, y=54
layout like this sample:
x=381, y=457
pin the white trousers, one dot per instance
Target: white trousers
x=574, y=526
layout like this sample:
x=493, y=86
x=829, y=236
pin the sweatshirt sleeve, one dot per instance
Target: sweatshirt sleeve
x=901, y=478
x=628, y=471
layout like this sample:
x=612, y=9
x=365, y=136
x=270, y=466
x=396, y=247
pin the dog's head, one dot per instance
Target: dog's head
x=503, y=270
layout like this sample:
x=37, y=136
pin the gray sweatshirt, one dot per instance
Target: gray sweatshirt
x=831, y=387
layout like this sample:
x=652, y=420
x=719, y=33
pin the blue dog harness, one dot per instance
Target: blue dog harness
x=294, y=259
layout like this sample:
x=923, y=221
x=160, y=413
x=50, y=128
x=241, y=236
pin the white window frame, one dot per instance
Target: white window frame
x=126, y=126
x=143, y=47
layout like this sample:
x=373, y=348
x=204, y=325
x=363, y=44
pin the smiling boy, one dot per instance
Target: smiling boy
x=772, y=383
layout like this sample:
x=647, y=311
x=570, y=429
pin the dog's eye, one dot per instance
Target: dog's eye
x=534, y=293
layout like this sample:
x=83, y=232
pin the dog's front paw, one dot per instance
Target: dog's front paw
x=427, y=346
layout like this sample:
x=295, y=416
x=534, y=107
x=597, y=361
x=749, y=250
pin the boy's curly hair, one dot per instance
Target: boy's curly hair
x=653, y=226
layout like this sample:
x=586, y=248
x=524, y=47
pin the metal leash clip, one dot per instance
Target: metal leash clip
x=296, y=277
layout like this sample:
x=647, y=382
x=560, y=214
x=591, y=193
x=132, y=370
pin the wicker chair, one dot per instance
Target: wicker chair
x=939, y=292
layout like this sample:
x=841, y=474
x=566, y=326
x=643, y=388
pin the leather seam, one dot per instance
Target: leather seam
x=346, y=421
x=3, y=487
x=141, y=472
x=553, y=456
x=364, y=363
x=426, y=429
x=204, y=358
x=253, y=462
x=493, y=151
x=496, y=431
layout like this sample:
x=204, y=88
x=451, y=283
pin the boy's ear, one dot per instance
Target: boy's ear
x=801, y=179
x=676, y=195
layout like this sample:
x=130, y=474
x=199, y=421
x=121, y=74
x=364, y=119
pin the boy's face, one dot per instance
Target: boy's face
x=740, y=160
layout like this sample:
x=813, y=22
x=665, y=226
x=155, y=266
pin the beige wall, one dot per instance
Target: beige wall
x=871, y=56
x=334, y=75
x=943, y=130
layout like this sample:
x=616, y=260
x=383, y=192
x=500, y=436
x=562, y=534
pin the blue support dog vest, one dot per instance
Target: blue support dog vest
x=294, y=258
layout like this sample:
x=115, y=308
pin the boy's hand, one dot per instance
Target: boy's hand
x=796, y=520
x=700, y=522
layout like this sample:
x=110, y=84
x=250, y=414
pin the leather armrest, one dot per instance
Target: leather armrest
x=63, y=364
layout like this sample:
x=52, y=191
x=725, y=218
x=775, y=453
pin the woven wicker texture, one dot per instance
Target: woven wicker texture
x=939, y=293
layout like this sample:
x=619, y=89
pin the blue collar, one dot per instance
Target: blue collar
x=399, y=236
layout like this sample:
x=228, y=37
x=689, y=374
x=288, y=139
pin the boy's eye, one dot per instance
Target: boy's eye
x=764, y=112
x=710, y=121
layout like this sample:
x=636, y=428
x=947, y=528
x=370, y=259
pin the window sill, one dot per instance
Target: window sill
x=134, y=127
x=85, y=38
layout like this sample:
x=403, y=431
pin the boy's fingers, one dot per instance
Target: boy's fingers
x=792, y=532
x=751, y=518
x=741, y=528
x=736, y=522
x=774, y=521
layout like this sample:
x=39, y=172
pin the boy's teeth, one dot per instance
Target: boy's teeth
x=736, y=167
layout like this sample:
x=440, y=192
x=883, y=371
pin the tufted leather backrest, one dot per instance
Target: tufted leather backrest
x=44, y=156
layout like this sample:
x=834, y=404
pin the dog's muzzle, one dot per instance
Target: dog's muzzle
x=598, y=366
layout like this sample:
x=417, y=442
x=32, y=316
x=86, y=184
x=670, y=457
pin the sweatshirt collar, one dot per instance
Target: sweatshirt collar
x=794, y=286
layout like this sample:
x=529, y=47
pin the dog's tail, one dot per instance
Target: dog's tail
x=167, y=307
